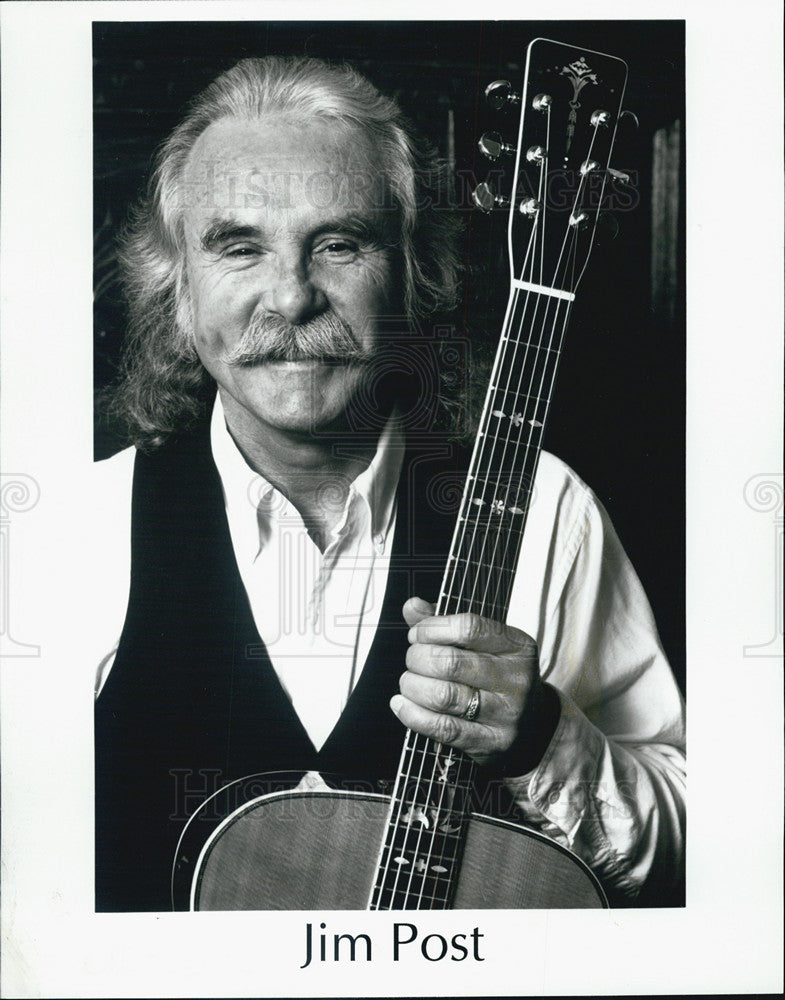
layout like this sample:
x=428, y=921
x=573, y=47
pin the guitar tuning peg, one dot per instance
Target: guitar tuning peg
x=500, y=93
x=619, y=176
x=492, y=145
x=486, y=200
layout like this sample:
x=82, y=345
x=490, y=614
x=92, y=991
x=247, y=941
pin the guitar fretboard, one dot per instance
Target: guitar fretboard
x=420, y=855
x=492, y=517
x=421, y=851
x=570, y=105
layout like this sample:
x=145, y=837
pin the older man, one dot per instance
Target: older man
x=278, y=524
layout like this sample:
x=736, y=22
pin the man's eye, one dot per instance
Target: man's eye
x=338, y=248
x=241, y=251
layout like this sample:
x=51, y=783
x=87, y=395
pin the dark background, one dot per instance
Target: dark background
x=618, y=411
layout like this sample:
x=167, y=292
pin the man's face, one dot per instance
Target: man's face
x=285, y=226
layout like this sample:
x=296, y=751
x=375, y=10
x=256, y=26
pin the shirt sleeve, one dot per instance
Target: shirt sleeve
x=112, y=481
x=611, y=784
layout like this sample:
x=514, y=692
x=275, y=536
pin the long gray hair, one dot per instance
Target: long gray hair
x=163, y=386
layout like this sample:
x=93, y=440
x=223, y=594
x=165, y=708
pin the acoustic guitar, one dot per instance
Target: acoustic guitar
x=273, y=843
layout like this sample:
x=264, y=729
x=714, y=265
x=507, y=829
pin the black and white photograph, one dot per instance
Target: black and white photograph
x=366, y=569
x=290, y=611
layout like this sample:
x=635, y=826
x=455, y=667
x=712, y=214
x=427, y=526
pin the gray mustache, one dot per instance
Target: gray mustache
x=270, y=338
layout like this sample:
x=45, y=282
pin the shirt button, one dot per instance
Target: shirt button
x=378, y=541
x=555, y=793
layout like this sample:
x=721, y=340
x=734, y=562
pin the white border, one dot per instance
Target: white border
x=728, y=939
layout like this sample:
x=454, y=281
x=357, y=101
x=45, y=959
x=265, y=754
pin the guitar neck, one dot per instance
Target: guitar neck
x=421, y=852
x=489, y=531
x=570, y=106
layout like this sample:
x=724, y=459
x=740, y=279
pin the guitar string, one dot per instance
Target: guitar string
x=455, y=755
x=425, y=752
x=528, y=419
x=455, y=561
x=530, y=453
x=446, y=590
x=435, y=819
x=423, y=874
x=454, y=570
x=531, y=459
x=458, y=790
x=570, y=237
x=543, y=199
x=475, y=464
x=391, y=840
x=425, y=861
x=462, y=784
x=542, y=381
x=424, y=813
x=485, y=439
x=383, y=866
x=397, y=825
x=491, y=533
x=429, y=853
x=553, y=369
x=538, y=399
x=426, y=868
x=438, y=819
x=528, y=261
x=398, y=802
x=492, y=441
x=410, y=735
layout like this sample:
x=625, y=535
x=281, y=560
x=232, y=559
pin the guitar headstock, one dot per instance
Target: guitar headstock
x=569, y=110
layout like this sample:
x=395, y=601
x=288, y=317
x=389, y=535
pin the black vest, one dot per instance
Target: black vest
x=193, y=702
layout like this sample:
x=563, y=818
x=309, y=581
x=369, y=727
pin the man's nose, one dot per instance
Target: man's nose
x=293, y=294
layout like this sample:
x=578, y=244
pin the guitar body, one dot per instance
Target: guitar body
x=312, y=850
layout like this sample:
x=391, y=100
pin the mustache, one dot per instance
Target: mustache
x=325, y=337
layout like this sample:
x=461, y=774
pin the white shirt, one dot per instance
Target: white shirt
x=323, y=607
x=611, y=784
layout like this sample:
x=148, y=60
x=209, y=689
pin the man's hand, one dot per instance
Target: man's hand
x=449, y=658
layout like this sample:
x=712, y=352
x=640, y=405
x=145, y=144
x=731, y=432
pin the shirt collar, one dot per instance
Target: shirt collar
x=246, y=492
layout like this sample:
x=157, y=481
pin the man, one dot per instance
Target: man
x=279, y=524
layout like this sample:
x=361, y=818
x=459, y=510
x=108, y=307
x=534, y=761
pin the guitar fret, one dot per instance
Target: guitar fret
x=493, y=567
x=507, y=338
x=428, y=872
x=530, y=286
x=516, y=394
x=477, y=506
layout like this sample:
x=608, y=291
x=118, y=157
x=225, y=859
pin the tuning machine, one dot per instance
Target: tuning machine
x=500, y=94
x=619, y=176
x=492, y=146
x=486, y=200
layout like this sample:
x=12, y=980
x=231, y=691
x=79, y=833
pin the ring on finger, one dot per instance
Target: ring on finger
x=472, y=710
